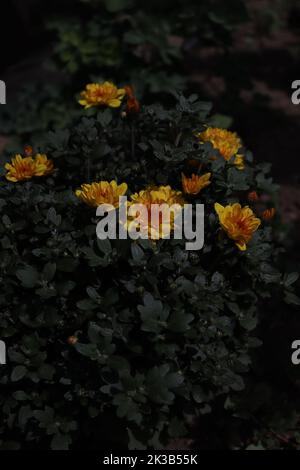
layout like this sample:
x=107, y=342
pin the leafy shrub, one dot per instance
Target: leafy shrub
x=119, y=342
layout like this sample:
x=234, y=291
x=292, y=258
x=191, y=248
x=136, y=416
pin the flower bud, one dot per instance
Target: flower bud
x=268, y=214
x=72, y=340
x=28, y=150
x=253, y=196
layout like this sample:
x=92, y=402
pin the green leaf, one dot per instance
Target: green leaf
x=137, y=252
x=180, y=321
x=46, y=372
x=49, y=271
x=28, y=276
x=177, y=428
x=160, y=382
x=249, y=321
x=46, y=292
x=104, y=246
x=86, y=304
x=18, y=373
x=153, y=314
x=88, y=350
x=53, y=217
x=134, y=444
x=105, y=117
x=20, y=395
x=61, y=442
x=67, y=264
x=290, y=279
x=291, y=298
x=126, y=407
x=221, y=120
x=238, y=179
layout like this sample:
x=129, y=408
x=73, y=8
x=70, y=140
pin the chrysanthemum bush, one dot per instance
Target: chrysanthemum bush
x=122, y=343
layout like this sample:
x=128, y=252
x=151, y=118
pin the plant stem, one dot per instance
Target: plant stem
x=132, y=133
x=88, y=169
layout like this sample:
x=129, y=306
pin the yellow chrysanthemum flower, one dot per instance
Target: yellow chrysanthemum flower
x=102, y=94
x=20, y=169
x=151, y=198
x=43, y=166
x=26, y=168
x=238, y=222
x=194, y=184
x=226, y=142
x=103, y=192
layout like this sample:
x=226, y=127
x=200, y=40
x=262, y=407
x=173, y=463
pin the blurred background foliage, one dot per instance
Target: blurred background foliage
x=127, y=41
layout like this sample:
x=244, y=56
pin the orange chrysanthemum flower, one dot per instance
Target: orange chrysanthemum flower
x=102, y=94
x=238, y=222
x=194, y=184
x=21, y=169
x=268, y=214
x=95, y=194
x=226, y=142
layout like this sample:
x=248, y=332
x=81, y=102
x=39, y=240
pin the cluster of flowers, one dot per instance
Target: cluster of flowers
x=238, y=222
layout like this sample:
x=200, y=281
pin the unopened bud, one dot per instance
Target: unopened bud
x=72, y=340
